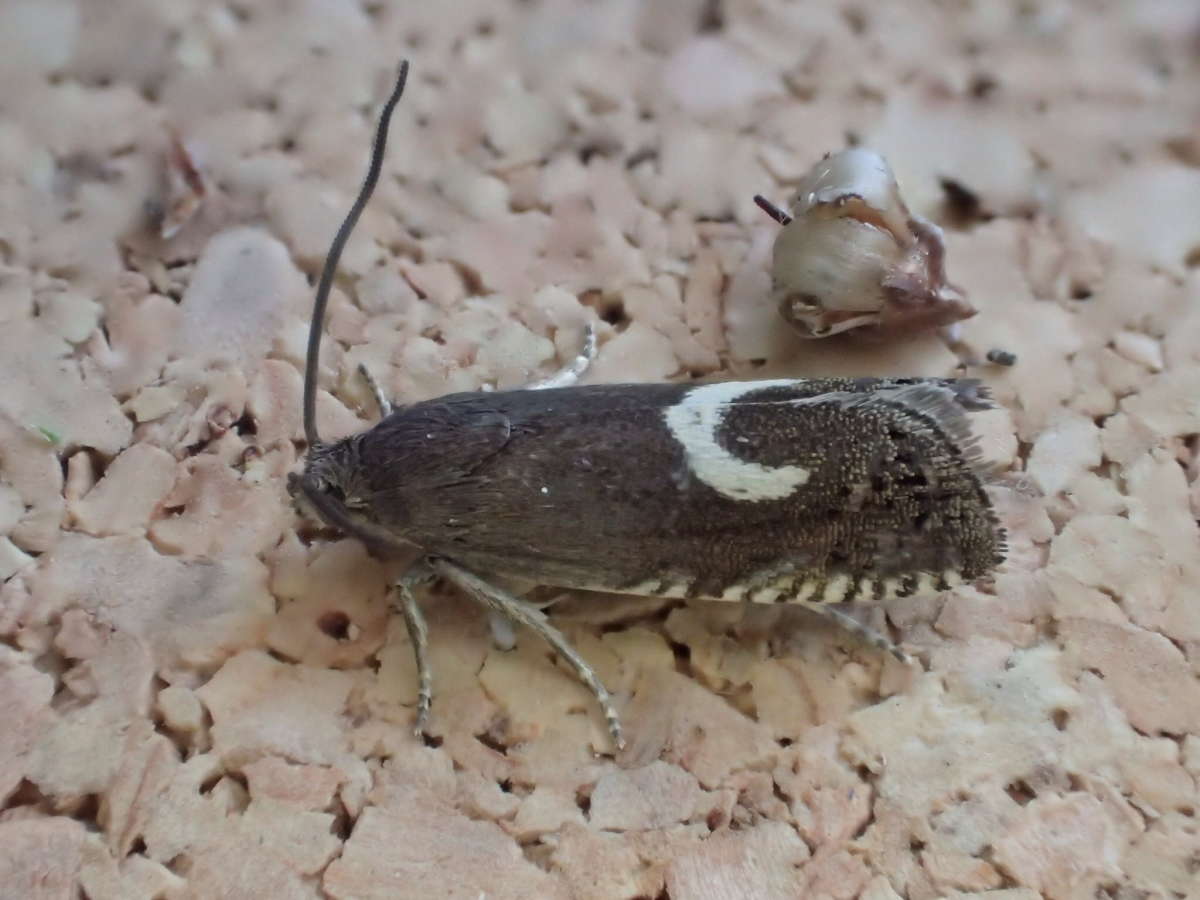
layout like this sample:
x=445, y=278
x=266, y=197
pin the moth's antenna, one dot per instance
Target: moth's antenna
x=335, y=253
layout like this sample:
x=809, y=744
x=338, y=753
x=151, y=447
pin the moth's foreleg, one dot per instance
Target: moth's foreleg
x=524, y=613
x=572, y=371
x=384, y=404
x=855, y=627
x=418, y=636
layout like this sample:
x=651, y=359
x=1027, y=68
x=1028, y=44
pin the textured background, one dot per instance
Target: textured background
x=200, y=696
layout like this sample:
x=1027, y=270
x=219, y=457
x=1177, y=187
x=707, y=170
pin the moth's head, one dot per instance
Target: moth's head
x=331, y=488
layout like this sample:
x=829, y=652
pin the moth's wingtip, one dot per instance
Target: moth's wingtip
x=972, y=394
x=943, y=404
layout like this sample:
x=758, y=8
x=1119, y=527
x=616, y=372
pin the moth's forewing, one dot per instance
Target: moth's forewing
x=828, y=489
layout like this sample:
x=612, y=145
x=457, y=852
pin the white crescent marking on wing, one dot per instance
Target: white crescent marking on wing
x=694, y=422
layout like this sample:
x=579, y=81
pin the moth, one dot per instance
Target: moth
x=812, y=492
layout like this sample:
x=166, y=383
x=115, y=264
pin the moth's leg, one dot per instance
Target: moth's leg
x=524, y=613
x=504, y=636
x=418, y=636
x=571, y=372
x=550, y=601
x=855, y=627
x=385, y=405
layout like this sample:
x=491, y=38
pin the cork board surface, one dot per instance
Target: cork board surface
x=201, y=696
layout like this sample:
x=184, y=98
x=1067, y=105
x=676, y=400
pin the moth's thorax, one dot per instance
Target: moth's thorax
x=333, y=468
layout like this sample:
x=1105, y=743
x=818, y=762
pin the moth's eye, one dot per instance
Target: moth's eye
x=334, y=492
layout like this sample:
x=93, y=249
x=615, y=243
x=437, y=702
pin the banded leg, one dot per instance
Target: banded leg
x=385, y=405
x=857, y=628
x=571, y=372
x=418, y=636
x=504, y=635
x=524, y=613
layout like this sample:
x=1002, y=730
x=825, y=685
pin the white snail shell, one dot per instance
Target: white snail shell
x=853, y=256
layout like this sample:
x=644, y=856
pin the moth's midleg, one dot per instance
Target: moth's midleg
x=564, y=377
x=418, y=636
x=384, y=404
x=504, y=635
x=572, y=371
x=524, y=613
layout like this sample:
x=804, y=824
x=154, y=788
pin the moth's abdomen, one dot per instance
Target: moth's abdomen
x=816, y=491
